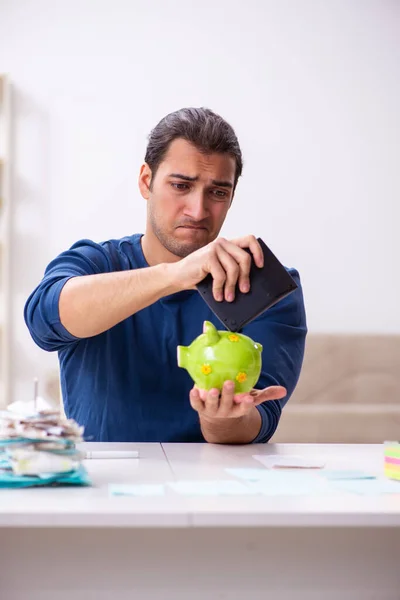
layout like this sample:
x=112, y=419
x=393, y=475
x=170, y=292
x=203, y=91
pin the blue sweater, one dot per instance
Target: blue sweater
x=124, y=384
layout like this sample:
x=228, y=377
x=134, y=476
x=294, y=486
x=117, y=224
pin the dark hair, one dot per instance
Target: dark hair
x=200, y=126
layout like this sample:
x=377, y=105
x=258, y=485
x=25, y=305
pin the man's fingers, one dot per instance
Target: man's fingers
x=211, y=404
x=203, y=394
x=230, y=265
x=243, y=259
x=226, y=401
x=251, y=242
x=195, y=400
x=232, y=270
x=242, y=409
x=274, y=392
x=243, y=399
x=219, y=278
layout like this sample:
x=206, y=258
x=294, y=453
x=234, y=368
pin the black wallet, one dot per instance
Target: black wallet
x=268, y=285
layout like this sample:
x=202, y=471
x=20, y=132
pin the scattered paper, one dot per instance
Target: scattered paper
x=368, y=487
x=138, y=489
x=283, y=482
x=270, y=475
x=222, y=487
x=289, y=487
x=272, y=461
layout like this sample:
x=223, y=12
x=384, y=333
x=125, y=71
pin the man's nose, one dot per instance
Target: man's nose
x=196, y=207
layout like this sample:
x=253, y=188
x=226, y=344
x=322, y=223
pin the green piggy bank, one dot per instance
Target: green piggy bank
x=217, y=356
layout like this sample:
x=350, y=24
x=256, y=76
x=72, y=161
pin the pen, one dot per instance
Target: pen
x=111, y=454
x=35, y=393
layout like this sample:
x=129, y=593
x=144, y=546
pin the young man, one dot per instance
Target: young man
x=116, y=311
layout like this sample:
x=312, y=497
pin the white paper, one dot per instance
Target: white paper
x=269, y=482
x=272, y=461
x=287, y=486
x=272, y=476
x=218, y=487
x=21, y=407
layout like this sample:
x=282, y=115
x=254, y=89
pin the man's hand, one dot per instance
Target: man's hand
x=228, y=417
x=227, y=262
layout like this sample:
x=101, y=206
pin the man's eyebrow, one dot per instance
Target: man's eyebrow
x=218, y=182
x=184, y=177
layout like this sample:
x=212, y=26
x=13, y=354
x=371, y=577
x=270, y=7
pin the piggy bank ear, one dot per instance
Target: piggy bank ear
x=182, y=356
x=211, y=333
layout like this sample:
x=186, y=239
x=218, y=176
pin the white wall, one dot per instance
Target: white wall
x=311, y=87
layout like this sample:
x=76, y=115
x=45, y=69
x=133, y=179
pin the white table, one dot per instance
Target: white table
x=82, y=544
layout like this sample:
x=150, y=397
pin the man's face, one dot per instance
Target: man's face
x=189, y=196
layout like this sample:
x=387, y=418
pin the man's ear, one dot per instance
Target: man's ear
x=145, y=181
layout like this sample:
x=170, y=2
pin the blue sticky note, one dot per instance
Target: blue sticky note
x=218, y=487
x=137, y=489
x=368, y=487
x=346, y=475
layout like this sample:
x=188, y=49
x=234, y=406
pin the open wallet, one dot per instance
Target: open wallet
x=268, y=285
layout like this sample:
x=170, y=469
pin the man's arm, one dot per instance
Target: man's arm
x=82, y=293
x=226, y=418
x=92, y=304
x=240, y=430
x=254, y=417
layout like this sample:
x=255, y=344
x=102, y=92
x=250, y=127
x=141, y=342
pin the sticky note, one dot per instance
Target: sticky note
x=391, y=473
x=346, y=475
x=392, y=449
x=218, y=487
x=138, y=489
x=391, y=463
x=369, y=487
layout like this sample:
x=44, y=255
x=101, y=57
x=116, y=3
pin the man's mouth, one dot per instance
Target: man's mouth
x=197, y=227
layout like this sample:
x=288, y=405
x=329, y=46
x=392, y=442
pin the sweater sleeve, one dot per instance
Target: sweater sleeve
x=41, y=311
x=282, y=331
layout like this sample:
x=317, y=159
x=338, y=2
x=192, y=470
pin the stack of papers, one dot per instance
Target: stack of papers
x=40, y=449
